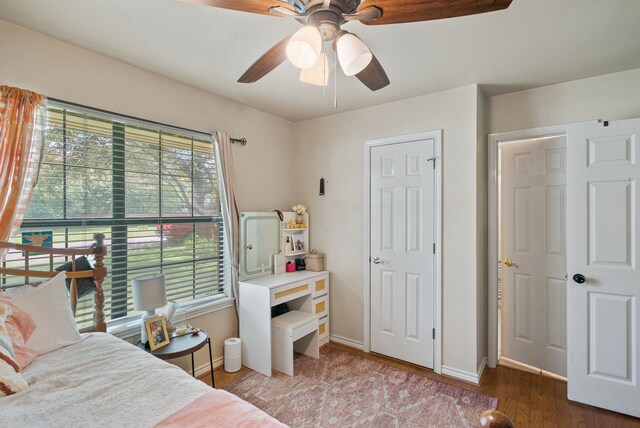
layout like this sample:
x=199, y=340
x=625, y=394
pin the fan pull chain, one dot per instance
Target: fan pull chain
x=324, y=77
x=335, y=83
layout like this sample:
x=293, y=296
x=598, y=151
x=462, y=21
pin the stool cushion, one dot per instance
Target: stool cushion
x=294, y=319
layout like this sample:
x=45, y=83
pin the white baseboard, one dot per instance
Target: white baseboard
x=507, y=362
x=466, y=376
x=346, y=341
x=483, y=365
x=447, y=371
x=205, y=368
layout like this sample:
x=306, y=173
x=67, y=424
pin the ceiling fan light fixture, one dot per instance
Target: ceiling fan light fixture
x=304, y=47
x=353, y=54
x=318, y=74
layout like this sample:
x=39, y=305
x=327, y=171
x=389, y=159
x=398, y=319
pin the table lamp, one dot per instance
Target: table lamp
x=148, y=294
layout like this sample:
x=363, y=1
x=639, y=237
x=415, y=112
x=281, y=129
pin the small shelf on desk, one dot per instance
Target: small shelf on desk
x=291, y=236
x=295, y=253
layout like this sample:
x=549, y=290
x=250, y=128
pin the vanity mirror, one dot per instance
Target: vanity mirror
x=259, y=241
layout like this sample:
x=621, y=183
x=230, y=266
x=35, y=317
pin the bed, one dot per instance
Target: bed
x=100, y=380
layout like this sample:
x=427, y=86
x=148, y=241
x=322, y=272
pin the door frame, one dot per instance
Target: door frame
x=437, y=289
x=492, y=160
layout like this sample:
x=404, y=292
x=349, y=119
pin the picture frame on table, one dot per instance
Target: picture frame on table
x=156, y=328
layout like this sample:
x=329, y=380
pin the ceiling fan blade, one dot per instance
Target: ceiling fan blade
x=398, y=11
x=286, y=12
x=266, y=63
x=373, y=76
x=253, y=6
x=366, y=14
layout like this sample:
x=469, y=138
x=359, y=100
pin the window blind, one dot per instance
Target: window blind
x=152, y=190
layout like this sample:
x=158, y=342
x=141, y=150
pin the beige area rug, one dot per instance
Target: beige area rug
x=342, y=389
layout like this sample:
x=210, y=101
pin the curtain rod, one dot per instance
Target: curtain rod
x=242, y=141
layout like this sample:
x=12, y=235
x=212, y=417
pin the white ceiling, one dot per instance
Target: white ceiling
x=533, y=43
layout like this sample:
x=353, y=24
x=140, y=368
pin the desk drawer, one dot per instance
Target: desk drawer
x=323, y=327
x=320, y=285
x=290, y=291
x=321, y=306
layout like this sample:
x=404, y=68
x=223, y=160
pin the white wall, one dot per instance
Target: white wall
x=333, y=148
x=610, y=96
x=40, y=63
x=482, y=226
x=56, y=69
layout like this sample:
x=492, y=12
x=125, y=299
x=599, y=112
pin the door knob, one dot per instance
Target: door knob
x=508, y=262
x=377, y=260
x=579, y=278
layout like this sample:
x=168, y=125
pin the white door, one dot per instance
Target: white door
x=603, y=191
x=533, y=253
x=402, y=255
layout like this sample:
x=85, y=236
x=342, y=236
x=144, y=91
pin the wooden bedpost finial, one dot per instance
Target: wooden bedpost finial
x=495, y=419
x=98, y=246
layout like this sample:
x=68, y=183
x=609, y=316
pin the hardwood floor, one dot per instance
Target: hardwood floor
x=223, y=378
x=530, y=400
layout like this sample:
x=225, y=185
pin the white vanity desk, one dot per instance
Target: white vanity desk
x=304, y=290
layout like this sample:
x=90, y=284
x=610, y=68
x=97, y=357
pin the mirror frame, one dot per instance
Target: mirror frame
x=246, y=241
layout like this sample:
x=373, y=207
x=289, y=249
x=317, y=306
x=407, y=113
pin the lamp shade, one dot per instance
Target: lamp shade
x=148, y=292
x=303, y=49
x=353, y=54
x=318, y=74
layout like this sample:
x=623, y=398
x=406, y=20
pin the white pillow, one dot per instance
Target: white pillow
x=48, y=304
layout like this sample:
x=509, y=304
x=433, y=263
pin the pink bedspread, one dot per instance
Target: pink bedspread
x=219, y=408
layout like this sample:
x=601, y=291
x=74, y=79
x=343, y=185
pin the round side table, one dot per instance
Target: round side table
x=184, y=345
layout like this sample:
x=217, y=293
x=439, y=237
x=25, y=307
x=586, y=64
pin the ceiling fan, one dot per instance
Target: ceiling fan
x=322, y=20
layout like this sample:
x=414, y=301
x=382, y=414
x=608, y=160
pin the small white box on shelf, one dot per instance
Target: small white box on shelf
x=279, y=263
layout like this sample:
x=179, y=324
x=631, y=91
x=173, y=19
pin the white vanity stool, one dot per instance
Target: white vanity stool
x=294, y=330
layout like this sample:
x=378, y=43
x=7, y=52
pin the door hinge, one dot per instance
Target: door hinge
x=434, y=248
x=433, y=334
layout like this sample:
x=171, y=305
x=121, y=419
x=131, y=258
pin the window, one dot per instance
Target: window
x=152, y=190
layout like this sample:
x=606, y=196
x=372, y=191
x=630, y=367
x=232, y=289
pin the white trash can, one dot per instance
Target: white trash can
x=232, y=354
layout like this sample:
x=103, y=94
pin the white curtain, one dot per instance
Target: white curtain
x=230, y=207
